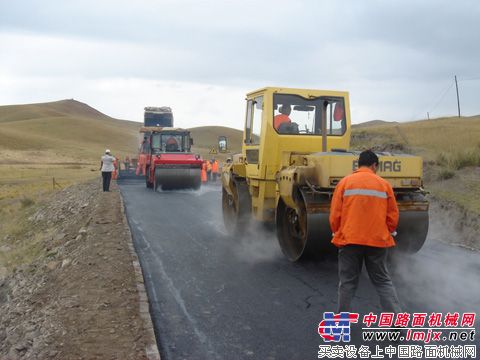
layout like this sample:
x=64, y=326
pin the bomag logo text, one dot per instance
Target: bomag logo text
x=384, y=166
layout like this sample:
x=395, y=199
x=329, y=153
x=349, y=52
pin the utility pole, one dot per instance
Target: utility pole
x=458, y=98
x=428, y=116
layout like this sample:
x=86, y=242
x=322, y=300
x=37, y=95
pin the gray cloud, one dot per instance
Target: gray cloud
x=406, y=49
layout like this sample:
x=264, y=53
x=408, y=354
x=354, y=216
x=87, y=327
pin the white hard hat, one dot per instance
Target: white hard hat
x=107, y=151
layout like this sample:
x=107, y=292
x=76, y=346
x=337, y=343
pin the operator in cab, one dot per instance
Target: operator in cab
x=171, y=145
x=282, y=120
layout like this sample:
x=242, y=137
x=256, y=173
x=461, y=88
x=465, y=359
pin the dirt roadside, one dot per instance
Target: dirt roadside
x=82, y=296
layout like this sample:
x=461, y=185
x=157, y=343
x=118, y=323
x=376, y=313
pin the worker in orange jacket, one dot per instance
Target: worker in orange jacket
x=214, y=169
x=363, y=218
x=204, y=172
x=209, y=170
x=115, y=171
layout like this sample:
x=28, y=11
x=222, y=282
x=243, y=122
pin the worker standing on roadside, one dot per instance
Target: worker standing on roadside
x=209, y=170
x=107, y=167
x=363, y=218
x=214, y=169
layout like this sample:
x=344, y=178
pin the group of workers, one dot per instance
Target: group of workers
x=210, y=170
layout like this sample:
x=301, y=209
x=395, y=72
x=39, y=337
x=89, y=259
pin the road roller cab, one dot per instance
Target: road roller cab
x=295, y=150
x=171, y=163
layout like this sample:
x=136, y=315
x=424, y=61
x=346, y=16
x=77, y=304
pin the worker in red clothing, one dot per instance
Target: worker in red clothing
x=363, y=218
x=282, y=120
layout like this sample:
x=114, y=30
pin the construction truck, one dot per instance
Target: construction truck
x=170, y=163
x=295, y=151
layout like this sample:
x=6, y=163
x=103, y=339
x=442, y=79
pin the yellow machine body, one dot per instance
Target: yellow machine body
x=298, y=168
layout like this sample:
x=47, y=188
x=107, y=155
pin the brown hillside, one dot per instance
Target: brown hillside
x=68, y=127
x=206, y=137
x=373, y=123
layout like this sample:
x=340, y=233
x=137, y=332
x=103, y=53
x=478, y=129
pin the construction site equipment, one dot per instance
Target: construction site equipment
x=154, y=117
x=295, y=150
x=171, y=165
x=222, y=144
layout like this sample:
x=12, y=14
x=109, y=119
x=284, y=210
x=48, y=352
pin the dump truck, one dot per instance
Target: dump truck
x=171, y=164
x=296, y=148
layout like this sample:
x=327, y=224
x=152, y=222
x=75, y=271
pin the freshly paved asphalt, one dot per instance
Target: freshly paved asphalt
x=217, y=297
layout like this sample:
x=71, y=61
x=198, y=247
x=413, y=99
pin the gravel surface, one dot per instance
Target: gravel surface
x=79, y=298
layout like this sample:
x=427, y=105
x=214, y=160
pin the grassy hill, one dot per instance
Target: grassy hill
x=64, y=129
x=450, y=147
x=65, y=139
x=62, y=140
x=206, y=137
x=373, y=123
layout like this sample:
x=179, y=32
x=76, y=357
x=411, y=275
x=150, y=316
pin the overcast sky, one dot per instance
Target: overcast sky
x=396, y=58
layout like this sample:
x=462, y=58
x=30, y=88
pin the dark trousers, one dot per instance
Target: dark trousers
x=350, y=263
x=214, y=176
x=209, y=175
x=107, y=176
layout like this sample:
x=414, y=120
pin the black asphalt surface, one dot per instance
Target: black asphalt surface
x=217, y=297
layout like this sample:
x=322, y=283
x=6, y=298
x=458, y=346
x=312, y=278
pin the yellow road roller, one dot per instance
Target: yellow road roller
x=295, y=150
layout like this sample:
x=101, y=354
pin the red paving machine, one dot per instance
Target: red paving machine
x=154, y=118
x=164, y=158
x=170, y=163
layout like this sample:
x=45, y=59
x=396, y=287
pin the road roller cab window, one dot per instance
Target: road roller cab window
x=295, y=115
x=253, y=124
x=170, y=143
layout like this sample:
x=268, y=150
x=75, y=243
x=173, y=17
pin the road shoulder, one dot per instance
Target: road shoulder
x=83, y=294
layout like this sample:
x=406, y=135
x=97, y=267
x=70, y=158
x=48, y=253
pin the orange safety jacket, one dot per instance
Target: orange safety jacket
x=363, y=211
x=204, y=172
x=280, y=119
x=215, y=167
x=209, y=166
x=115, y=170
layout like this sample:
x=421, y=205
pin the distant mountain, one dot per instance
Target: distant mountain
x=374, y=123
x=66, y=127
x=207, y=137
x=76, y=132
